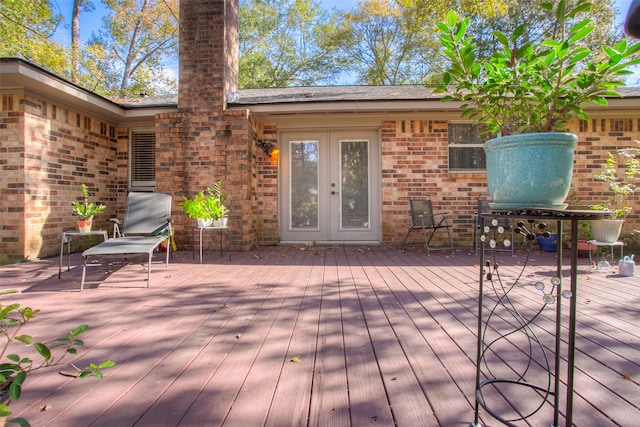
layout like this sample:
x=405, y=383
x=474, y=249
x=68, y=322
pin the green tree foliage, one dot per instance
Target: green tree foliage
x=285, y=43
x=389, y=42
x=375, y=41
x=539, y=24
x=124, y=58
x=26, y=27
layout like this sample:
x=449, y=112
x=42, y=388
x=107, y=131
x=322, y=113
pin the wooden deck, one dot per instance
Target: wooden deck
x=308, y=336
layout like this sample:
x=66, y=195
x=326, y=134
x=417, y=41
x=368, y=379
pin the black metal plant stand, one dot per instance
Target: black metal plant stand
x=511, y=351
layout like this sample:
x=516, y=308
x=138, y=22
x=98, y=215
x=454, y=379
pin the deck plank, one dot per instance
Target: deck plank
x=330, y=393
x=292, y=397
x=383, y=337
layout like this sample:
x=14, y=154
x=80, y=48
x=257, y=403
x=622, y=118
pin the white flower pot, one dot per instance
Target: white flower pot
x=202, y=223
x=606, y=230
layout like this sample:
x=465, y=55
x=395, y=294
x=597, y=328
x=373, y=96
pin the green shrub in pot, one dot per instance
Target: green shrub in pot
x=527, y=93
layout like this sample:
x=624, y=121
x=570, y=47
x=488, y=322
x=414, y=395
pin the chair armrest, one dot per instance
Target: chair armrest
x=116, y=227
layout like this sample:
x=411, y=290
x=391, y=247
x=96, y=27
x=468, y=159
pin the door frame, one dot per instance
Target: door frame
x=328, y=230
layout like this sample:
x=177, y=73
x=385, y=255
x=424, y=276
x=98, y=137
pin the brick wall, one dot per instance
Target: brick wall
x=414, y=163
x=48, y=150
x=267, y=187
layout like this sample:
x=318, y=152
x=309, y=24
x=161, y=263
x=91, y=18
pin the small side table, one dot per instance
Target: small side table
x=200, y=230
x=67, y=236
x=611, y=245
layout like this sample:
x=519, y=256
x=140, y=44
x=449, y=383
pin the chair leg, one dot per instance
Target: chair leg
x=453, y=252
x=149, y=269
x=168, y=250
x=84, y=272
x=406, y=236
x=448, y=235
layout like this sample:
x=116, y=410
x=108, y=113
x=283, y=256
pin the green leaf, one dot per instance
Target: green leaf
x=107, y=364
x=20, y=377
x=452, y=18
x=80, y=329
x=27, y=339
x=581, y=34
x=4, y=410
x=295, y=359
x=15, y=391
x=502, y=39
x=517, y=32
x=43, y=350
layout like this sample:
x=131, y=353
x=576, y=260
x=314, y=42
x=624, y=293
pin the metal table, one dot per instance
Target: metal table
x=507, y=321
x=200, y=230
x=67, y=236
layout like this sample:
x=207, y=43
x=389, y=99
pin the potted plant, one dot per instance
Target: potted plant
x=623, y=186
x=199, y=208
x=220, y=213
x=584, y=235
x=85, y=210
x=527, y=93
x=206, y=208
x=14, y=369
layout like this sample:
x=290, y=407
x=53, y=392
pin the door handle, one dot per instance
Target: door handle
x=334, y=192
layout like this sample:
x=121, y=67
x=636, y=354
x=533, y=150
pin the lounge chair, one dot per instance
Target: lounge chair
x=147, y=223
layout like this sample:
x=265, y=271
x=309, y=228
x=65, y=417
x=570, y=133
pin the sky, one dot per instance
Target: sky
x=91, y=21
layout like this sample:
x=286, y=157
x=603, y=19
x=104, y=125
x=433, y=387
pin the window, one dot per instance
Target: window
x=465, y=147
x=143, y=160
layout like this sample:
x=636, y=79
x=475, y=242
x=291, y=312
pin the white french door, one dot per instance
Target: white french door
x=330, y=186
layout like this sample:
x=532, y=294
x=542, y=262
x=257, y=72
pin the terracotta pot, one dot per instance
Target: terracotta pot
x=583, y=246
x=85, y=226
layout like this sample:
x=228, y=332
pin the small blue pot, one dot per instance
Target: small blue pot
x=531, y=170
x=548, y=244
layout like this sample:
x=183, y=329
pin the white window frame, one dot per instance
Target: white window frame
x=463, y=145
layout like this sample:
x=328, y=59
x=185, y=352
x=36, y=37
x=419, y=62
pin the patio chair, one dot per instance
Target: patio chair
x=483, y=207
x=424, y=219
x=146, y=225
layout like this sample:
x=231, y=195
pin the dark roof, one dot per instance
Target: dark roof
x=332, y=94
x=274, y=96
x=310, y=94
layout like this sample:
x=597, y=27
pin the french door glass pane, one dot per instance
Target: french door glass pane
x=354, y=173
x=304, y=184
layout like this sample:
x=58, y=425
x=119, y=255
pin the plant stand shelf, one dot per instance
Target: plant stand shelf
x=67, y=236
x=516, y=358
x=200, y=230
x=610, y=245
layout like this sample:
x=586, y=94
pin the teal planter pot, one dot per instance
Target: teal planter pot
x=531, y=170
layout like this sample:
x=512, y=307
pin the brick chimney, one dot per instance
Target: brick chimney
x=208, y=53
x=204, y=142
